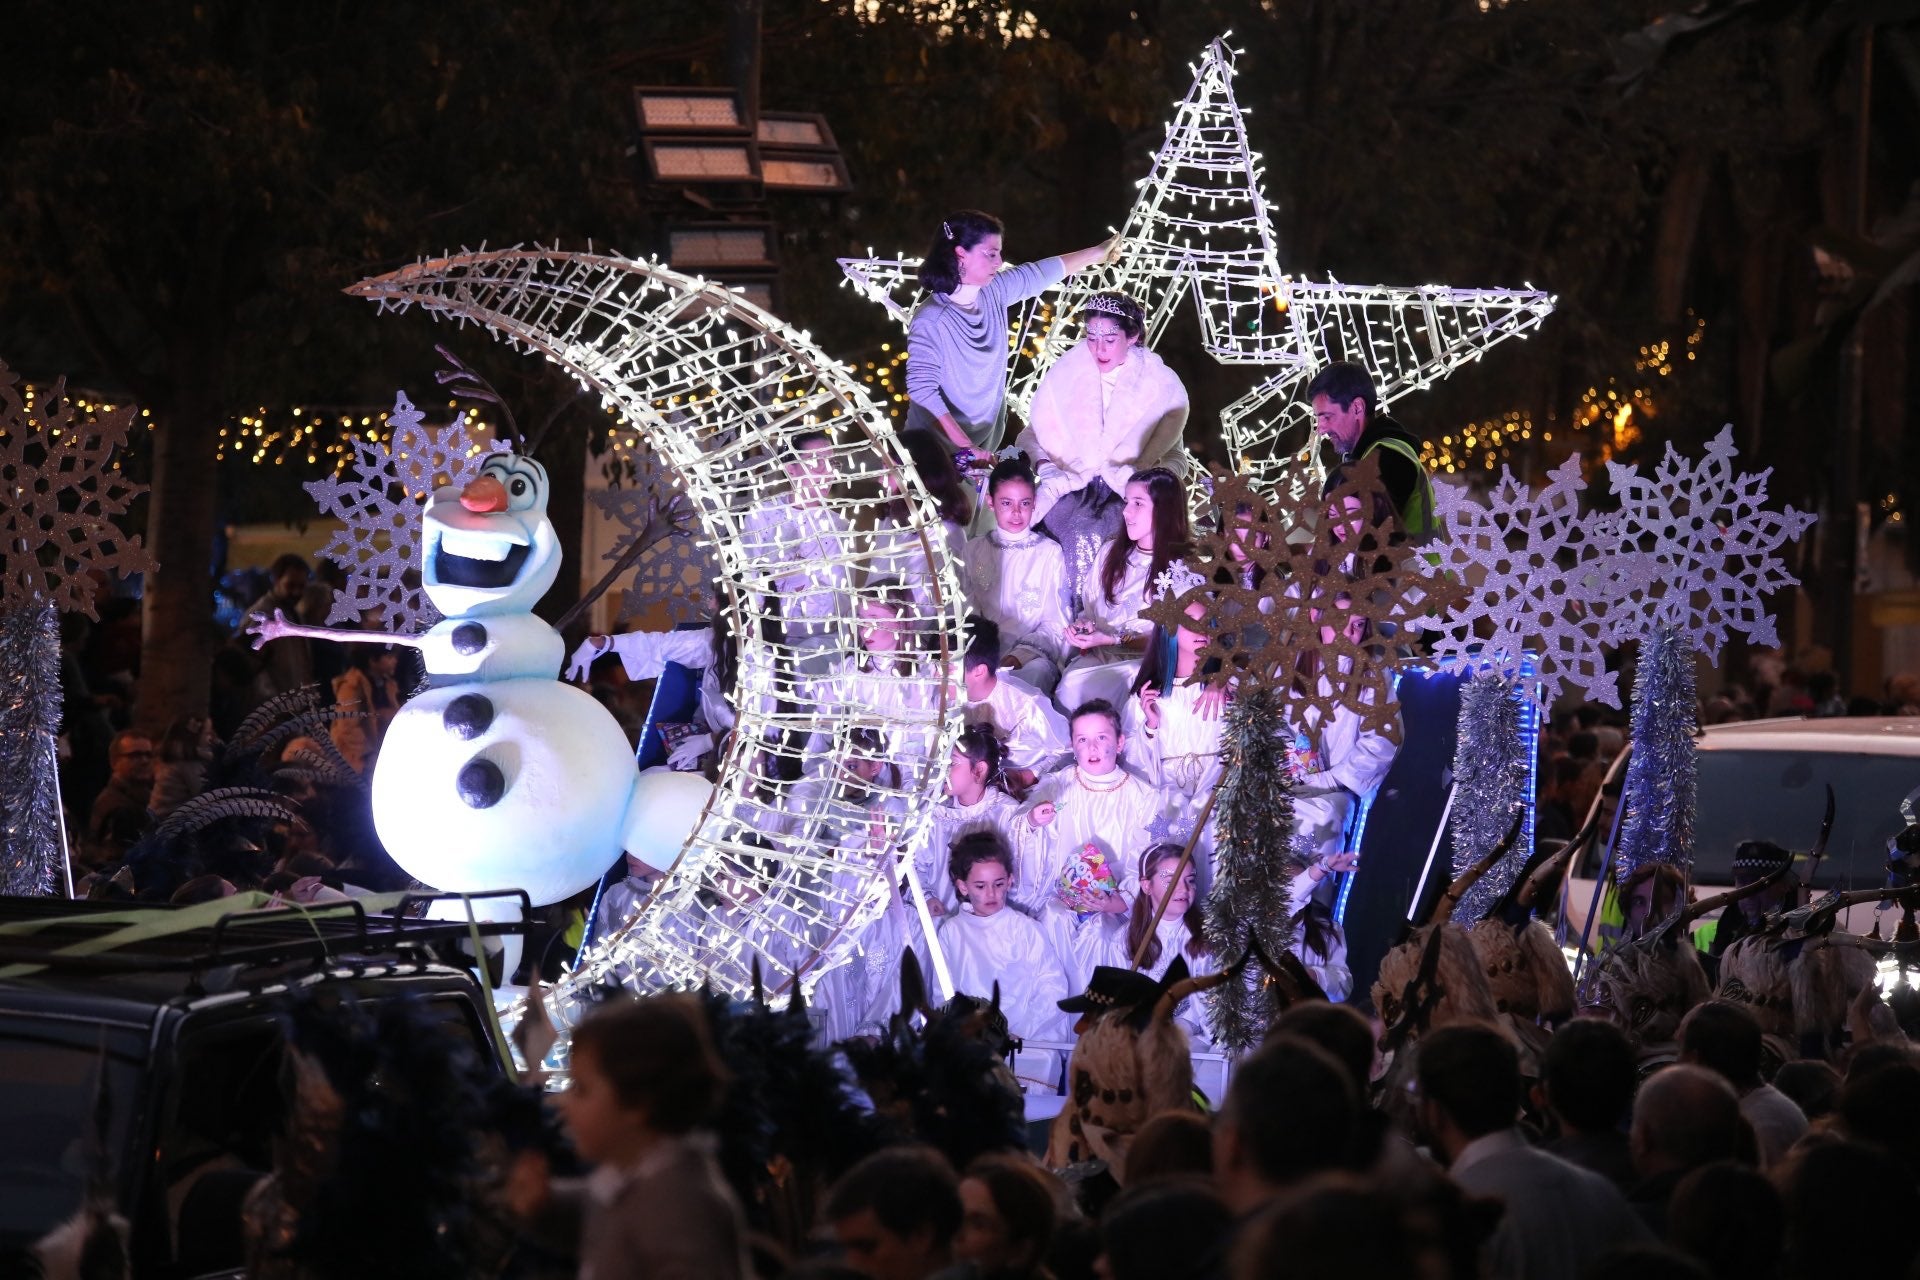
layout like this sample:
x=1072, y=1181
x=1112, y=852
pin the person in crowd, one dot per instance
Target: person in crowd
x=1108, y=637
x=1094, y=810
x=974, y=801
x=1006, y=1218
x=1849, y=1212
x=1106, y=409
x=119, y=815
x=1346, y=410
x=1165, y=1229
x=1812, y=1085
x=1880, y=1105
x=1181, y=931
x=896, y=1213
x=644, y=1078
x=1558, y=1214
x=1729, y=1218
x=1754, y=860
x=1173, y=1144
x=1319, y=942
x=1016, y=577
x=1588, y=1077
x=1336, y=1226
x=180, y=772
x=1683, y=1117
x=369, y=692
x=989, y=945
x=288, y=661
x=897, y=550
x=1334, y=760
x=885, y=681
x=1725, y=1038
x=1024, y=719
x=1291, y=1112
x=957, y=337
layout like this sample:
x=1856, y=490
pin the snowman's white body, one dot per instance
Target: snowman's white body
x=499, y=776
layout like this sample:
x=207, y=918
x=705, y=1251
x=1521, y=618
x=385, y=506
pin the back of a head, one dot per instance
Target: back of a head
x=657, y=1053
x=1334, y=1227
x=1590, y=1074
x=1292, y=1110
x=907, y=1188
x=1882, y=1107
x=1471, y=1072
x=1728, y=1217
x=1685, y=1117
x=1849, y=1212
x=1340, y=1030
x=1644, y=1262
x=1165, y=1230
x=1723, y=1037
x=1172, y=1144
x=1813, y=1085
x=1025, y=1198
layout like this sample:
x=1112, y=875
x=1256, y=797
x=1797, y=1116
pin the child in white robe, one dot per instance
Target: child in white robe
x=885, y=686
x=987, y=942
x=811, y=543
x=1017, y=577
x=1179, y=933
x=1174, y=728
x=1109, y=636
x=1095, y=801
x=973, y=802
x=1032, y=731
x=1334, y=761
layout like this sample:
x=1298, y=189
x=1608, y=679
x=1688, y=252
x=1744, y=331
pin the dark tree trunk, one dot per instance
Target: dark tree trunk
x=178, y=638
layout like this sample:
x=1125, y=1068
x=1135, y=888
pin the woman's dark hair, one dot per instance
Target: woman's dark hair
x=940, y=269
x=1170, y=531
x=866, y=741
x=1140, y=924
x=1318, y=932
x=181, y=741
x=1018, y=467
x=933, y=459
x=1162, y=1228
x=1023, y=1198
x=978, y=743
x=974, y=848
x=1117, y=307
x=656, y=1053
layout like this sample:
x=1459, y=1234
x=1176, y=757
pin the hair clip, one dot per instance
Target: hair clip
x=946, y=229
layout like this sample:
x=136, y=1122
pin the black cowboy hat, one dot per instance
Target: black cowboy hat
x=1112, y=988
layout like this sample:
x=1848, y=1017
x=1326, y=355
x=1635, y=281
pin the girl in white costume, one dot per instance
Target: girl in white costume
x=1103, y=411
x=1174, y=728
x=987, y=942
x=1017, y=577
x=805, y=534
x=1179, y=933
x=1032, y=731
x=1109, y=637
x=973, y=802
x=1094, y=801
x=885, y=684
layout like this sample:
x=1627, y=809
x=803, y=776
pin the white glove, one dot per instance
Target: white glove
x=584, y=656
x=686, y=755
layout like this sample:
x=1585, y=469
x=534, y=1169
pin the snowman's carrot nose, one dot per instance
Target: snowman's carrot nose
x=484, y=494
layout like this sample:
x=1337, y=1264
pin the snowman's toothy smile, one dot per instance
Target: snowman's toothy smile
x=465, y=558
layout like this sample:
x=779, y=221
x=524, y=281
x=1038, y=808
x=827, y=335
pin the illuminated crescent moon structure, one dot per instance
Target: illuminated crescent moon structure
x=797, y=844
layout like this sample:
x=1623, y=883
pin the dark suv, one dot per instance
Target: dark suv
x=166, y=1025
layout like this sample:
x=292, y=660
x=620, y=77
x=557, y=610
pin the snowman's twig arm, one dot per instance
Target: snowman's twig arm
x=679, y=515
x=264, y=629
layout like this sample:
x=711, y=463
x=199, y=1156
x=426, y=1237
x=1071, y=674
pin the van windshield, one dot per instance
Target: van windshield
x=50, y=1078
x=1780, y=795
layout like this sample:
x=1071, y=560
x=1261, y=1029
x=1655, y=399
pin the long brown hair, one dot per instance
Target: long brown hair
x=1140, y=927
x=1171, y=532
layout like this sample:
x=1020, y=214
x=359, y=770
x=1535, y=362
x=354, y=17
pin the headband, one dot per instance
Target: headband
x=1117, y=305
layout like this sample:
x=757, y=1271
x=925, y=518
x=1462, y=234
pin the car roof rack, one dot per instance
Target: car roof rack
x=54, y=934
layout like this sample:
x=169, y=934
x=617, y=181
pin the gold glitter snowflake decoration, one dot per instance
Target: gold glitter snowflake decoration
x=1317, y=617
x=60, y=492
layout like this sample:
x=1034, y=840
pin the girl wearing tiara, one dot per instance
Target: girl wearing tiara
x=1106, y=409
x=957, y=339
x=1016, y=577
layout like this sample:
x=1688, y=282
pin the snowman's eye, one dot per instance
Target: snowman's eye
x=523, y=488
x=518, y=487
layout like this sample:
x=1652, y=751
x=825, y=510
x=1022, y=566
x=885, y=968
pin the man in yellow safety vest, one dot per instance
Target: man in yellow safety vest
x=1346, y=410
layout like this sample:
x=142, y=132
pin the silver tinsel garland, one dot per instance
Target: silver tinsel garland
x=1657, y=824
x=30, y=857
x=1253, y=866
x=1489, y=779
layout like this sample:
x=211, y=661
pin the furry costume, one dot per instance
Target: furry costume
x=1462, y=993
x=1078, y=436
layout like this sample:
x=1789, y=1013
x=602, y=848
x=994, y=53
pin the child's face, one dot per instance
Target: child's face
x=1162, y=884
x=964, y=776
x=979, y=680
x=597, y=1121
x=1096, y=744
x=879, y=629
x=985, y=887
x=1345, y=518
x=1189, y=642
x=1013, y=506
x=865, y=768
x=1137, y=515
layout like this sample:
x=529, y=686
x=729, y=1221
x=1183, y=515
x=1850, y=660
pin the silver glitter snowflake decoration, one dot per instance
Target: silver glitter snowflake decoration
x=1540, y=574
x=675, y=575
x=60, y=492
x=1706, y=546
x=381, y=502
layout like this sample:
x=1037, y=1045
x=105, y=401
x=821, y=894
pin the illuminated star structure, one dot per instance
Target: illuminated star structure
x=1202, y=225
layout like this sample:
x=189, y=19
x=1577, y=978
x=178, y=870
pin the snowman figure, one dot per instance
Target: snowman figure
x=498, y=776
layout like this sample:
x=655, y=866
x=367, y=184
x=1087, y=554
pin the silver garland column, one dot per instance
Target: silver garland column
x=30, y=837
x=1657, y=824
x=1489, y=776
x=1250, y=904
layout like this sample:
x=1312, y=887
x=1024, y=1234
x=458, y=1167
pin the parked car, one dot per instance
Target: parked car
x=177, y=1037
x=1767, y=780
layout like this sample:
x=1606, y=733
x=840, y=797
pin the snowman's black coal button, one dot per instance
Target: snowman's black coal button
x=468, y=715
x=469, y=638
x=481, y=784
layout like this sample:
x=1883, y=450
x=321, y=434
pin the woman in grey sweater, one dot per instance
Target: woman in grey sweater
x=957, y=340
